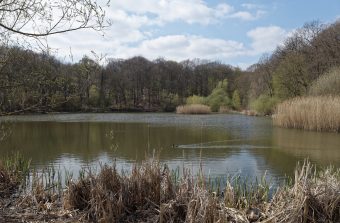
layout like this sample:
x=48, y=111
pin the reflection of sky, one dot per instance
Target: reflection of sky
x=227, y=144
x=241, y=163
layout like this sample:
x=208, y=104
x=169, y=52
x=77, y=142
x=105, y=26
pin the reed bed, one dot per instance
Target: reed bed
x=14, y=171
x=321, y=113
x=151, y=192
x=193, y=109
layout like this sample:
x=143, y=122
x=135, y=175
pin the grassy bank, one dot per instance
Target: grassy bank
x=320, y=113
x=153, y=193
x=193, y=109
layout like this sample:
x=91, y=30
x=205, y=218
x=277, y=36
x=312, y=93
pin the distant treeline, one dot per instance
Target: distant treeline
x=31, y=82
x=36, y=82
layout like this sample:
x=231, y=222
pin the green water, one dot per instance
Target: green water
x=222, y=143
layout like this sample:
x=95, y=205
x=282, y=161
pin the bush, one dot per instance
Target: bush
x=219, y=97
x=264, y=104
x=195, y=99
x=327, y=84
x=236, y=100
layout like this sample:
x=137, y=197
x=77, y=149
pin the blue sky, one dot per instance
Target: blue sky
x=230, y=31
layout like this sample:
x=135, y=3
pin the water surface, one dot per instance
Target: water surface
x=221, y=143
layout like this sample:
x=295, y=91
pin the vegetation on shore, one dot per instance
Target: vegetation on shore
x=193, y=109
x=152, y=192
x=321, y=113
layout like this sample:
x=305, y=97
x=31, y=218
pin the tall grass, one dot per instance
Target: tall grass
x=14, y=171
x=320, y=113
x=193, y=109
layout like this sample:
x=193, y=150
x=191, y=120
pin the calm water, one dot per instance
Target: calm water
x=223, y=143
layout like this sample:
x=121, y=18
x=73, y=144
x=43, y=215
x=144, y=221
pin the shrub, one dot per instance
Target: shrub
x=236, y=100
x=219, y=96
x=327, y=84
x=195, y=99
x=264, y=104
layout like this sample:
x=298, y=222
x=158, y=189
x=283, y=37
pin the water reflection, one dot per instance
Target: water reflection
x=221, y=143
x=321, y=147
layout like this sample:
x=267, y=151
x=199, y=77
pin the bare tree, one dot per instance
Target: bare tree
x=38, y=18
x=22, y=21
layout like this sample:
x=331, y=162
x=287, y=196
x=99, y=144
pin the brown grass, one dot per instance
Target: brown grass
x=193, y=109
x=314, y=197
x=151, y=192
x=320, y=113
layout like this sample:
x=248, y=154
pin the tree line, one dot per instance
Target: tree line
x=297, y=65
x=31, y=82
x=38, y=82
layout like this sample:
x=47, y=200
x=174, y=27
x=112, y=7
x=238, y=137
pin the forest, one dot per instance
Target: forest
x=305, y=64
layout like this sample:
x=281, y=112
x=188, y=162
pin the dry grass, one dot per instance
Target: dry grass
x=314, y=197
x=320, y=113
x=153, y=193
x=193, y=109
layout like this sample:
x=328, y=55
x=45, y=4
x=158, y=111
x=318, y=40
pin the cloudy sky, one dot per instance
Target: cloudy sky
x=230, y=31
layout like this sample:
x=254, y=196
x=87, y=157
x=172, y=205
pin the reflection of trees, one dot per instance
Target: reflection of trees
x=321, y=147
x=45, y=141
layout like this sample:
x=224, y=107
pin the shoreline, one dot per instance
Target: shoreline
x=152, y=192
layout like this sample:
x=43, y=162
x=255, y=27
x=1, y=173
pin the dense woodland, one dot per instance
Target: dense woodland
x=37, y=82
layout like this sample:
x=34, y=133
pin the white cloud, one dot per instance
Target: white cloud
x=189, y=11
x=132, y=21
x=175, y=47
x=266, y=39
x=247, y=16
x=180, y=47
x=251, y=6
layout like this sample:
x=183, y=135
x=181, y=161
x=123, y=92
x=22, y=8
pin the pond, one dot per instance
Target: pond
x=220, y=143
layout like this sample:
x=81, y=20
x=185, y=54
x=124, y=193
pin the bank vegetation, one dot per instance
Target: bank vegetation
x=193, y=109
x=320, y=113
x=150, y=191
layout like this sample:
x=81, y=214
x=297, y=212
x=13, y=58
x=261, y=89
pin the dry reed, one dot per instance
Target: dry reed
x=314, y=197
x=151, y=192
x=320, y=113
x=193, y=109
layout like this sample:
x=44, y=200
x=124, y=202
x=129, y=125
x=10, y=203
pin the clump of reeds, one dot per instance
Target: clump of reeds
x=111, y=196
x=151, y=192
x=320, y=113
x=14, y=170
x=193, y=109
x=313, y=197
